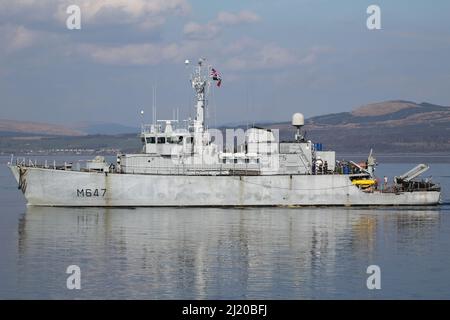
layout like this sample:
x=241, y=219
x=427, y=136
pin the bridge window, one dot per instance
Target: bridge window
x=151, y=140
x=161, y=140
x=176, y=139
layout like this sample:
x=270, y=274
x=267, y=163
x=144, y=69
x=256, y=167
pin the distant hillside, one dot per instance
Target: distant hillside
x=27, y=128
x=88, y=144
x=104, y=128
x=11, y=127
x=392, y=126
x=391, y=113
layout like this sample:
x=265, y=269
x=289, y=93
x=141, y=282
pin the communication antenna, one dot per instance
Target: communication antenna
x=154, y=104
x=187, y=93
x=142, y=118
x=247, y=106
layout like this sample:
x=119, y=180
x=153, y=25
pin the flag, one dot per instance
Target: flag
x=216, y=76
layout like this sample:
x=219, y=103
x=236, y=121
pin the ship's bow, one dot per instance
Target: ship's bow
x=16, y=172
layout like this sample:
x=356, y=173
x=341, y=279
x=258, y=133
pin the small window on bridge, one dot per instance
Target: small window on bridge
x=151, y=140
x=176, y=139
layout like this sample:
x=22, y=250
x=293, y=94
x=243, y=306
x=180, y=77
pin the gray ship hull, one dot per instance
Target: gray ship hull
x=50, y=187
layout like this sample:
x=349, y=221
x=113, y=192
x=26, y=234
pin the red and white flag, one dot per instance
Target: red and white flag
x=216, y=76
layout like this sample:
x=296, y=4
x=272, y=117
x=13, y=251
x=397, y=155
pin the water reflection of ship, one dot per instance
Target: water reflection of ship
x=405, y=223
x=199, y=253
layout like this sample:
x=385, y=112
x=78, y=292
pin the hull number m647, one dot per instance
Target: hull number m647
x=87, y=193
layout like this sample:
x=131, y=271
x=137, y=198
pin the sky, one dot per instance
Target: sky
x=275, y=58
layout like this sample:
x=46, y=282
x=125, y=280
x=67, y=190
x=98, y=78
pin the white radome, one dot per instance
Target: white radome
x=298, y=119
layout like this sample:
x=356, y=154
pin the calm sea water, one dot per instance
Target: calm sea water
x=259, y=253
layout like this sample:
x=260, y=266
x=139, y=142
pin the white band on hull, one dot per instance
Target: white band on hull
x=49, y=187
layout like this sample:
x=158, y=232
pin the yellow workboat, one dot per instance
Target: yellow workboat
x=364, y=183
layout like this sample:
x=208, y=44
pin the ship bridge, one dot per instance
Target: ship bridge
x=169, y=141
x=188, y=148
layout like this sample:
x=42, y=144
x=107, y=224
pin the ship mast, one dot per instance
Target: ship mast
x=200, y=84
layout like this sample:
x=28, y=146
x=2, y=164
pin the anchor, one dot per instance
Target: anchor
x=22, y=181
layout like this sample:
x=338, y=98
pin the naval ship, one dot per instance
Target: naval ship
x=186, y=166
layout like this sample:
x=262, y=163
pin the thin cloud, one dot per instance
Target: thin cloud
x=196, y=31
x=15, y=38
x=249, y=54
x=135, y=54
x=228, y=18
x=142, y=13
x=211, y=29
